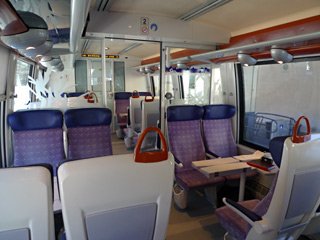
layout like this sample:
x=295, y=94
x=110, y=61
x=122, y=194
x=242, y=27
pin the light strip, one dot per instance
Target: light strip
x=202, y=9
x=130, y=47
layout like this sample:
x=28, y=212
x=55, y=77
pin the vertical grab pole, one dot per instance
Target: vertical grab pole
x=103, y=72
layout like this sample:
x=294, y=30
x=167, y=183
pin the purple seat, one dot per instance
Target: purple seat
x=89, y=133
x=233, y=223
x=184, y=132
x=291, y=201
x=37, y=137
x=217, y=133
x=217, y=130
x=121, y=107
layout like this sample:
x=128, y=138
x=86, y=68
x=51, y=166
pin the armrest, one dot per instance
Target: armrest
x=178, y=163
x=258, y=223
x=211, y=155
x=249, y=216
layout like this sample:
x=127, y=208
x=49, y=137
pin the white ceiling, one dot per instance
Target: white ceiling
x=237, y=17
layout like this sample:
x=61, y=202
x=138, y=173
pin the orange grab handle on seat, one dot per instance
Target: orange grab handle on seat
x=91, y=97
x=150, y=157
x=302, y=138
x=148, y=98
x=135, y=94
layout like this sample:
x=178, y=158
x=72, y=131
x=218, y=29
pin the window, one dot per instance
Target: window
x=196, y=87
x=274, y=96
x=119, y=77
x=22, y=87
x=216, y=96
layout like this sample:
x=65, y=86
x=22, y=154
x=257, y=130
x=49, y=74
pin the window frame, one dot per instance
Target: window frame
x=241, y=101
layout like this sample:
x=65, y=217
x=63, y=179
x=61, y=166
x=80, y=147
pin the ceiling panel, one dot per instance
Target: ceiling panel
x=167, y=8
x=240, y=14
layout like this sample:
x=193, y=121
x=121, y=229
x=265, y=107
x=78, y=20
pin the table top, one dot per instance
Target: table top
x=225, y=169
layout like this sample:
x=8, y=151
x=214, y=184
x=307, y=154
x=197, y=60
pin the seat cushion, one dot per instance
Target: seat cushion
x=232, y=222
x=38, y=146
x=218, y=137
x=88, y=142
x=193, y=178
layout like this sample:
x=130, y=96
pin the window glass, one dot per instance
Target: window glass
x=156, y=81
x=196, y=87
x=22, y=86
x=119, y=77
x=216, y=96
x=275, y=95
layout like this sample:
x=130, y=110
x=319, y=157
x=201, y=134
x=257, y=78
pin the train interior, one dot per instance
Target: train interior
x=130, y=105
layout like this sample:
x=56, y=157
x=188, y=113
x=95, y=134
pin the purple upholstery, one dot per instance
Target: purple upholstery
x=186, y=142
x=121, y=109
x=232, y=222
x=87, y=142
x=193, y=178
x=38, y=146
x=218, y=137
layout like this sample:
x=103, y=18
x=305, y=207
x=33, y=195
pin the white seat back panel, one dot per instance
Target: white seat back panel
x=102, y=184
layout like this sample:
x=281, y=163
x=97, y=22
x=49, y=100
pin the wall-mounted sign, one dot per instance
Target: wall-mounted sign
x=91, y=55
x=88, y=55
x=144, y=25
x=112, y=56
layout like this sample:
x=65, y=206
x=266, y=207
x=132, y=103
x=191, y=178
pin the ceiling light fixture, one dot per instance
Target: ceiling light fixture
x=246, y=60
x=39, y=50
x=202, y=9
x=129, y=48
x=36, y=35
x=280, y=55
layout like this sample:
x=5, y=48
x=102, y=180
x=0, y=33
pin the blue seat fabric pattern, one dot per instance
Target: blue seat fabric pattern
x=37, y=137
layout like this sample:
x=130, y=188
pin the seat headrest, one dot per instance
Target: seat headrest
x=276, y=148
x=84, y=117
x=219, y=111
x=71, y=94
x=122, y=95
x=184, y=113
x=35, y=120
x=145, y=94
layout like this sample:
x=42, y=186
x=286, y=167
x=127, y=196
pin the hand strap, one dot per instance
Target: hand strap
x=150, y=157
x=301, y=138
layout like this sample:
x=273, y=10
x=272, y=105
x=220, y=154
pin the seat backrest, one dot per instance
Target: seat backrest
x=217, y=130
x=184, y=133
x=135, y=113
x=296, y=194
x=122, y=103
x=26, y=204
x=116, y=198
x=145, y=94
x=150, y=118
x=37, y=137
x=88, y=132
x=150, y=113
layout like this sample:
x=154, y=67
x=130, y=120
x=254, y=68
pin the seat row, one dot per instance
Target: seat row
x=38, y=135
x=194, y=131
x=109, y=197
x=198, y=133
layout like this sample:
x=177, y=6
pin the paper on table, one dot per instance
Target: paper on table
x=213, y=162
x=254, y=156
